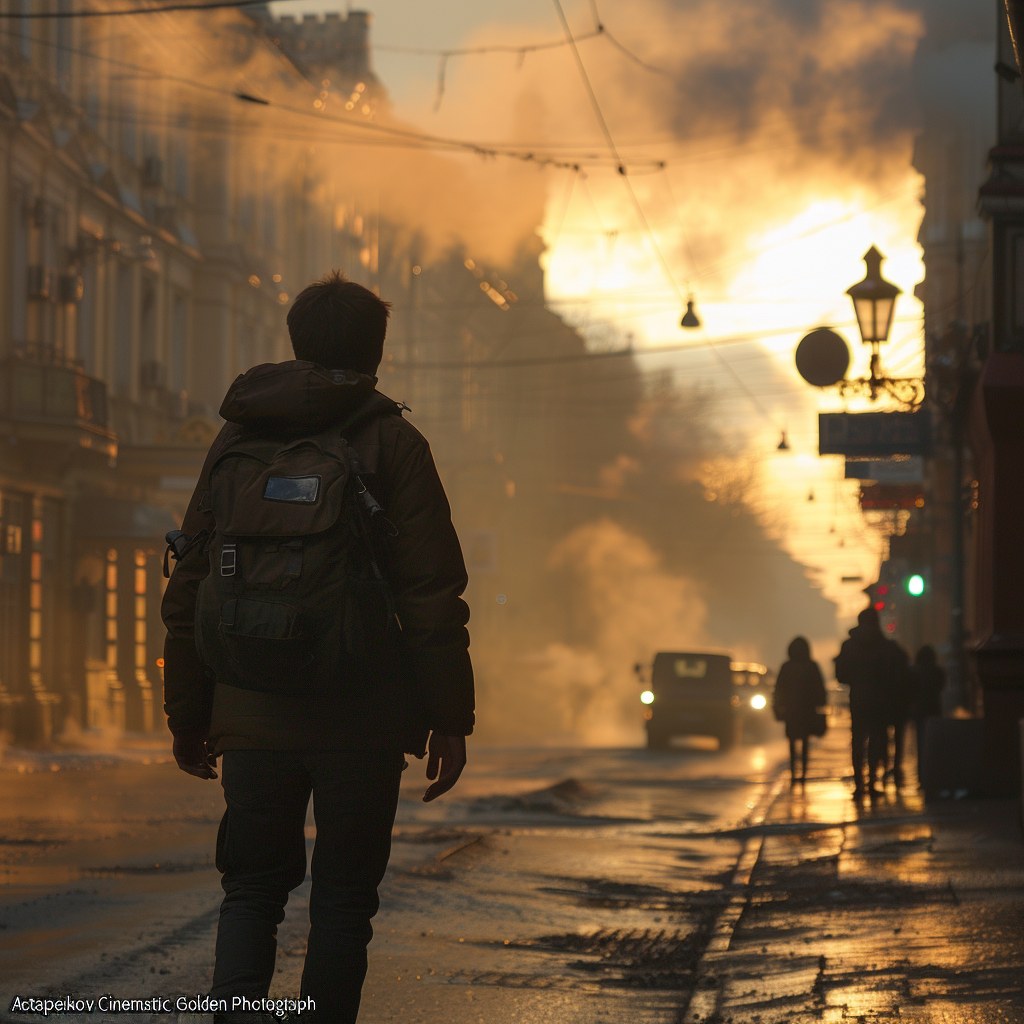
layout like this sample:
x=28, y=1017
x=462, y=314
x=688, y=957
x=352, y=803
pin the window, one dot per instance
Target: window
x=128, y=122
x=86, y=325
x=123, y=331
x=246, y=209
x=13, y=585
x=147, y=327
x=19, y=265
x=179, y=342
x=181, y=159
x=269, y=218
x=92, y=105
x=63, y=47
x=25, y=31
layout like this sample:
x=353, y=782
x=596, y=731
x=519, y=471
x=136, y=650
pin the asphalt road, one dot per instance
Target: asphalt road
x=551, y=885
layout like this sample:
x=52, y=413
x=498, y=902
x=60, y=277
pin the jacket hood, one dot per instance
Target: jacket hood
x=299, y=396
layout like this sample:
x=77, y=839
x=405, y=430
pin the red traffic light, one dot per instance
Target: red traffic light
x=882, y=589
x=879, y=606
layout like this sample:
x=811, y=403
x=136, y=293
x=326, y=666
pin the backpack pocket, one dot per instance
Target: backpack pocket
x=265, y=643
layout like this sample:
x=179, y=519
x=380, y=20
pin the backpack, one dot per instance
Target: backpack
x=294, y=602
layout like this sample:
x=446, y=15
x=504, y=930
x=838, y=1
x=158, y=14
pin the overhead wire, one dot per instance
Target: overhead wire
x=417, y=138
x=603, y=124
x=566, y=201
x=682, y=224
x=544, y=154
x=683, y=346
x=423, y=139
x=601, y=28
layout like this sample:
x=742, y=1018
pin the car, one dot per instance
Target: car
x=701, y=694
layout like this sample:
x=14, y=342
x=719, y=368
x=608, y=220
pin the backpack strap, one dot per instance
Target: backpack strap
x=362, y=430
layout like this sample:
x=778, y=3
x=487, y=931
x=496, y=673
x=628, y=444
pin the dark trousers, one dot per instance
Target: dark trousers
x=870, y=731
x=261, y=852
x=899, y=731
x=798, y=753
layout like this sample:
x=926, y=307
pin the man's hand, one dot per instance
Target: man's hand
x=449, y=754
x=190, y=753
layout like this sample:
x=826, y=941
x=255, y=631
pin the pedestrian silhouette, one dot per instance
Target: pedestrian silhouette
x=872, y=667
x=927, y=681
x=799, y=693
x=900, y=699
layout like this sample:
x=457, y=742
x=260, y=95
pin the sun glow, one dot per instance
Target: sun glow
x=777, y=275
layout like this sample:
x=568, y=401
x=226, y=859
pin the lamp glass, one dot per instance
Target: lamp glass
x=885, y=306
x=865, y=310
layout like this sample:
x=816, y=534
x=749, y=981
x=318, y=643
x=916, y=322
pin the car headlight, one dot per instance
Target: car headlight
x=759, y=702
x=647, y=697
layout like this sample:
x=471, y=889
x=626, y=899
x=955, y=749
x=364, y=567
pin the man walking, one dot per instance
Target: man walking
x=316, y=632
x=871, y=666
x=900, y=700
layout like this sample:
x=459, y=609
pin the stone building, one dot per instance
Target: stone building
x=149, y=237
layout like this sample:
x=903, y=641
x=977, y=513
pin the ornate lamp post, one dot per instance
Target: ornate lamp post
x=822, y=357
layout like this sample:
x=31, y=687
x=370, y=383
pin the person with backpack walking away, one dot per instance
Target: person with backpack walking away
x=799, y=693
x=871, y=666
x=316, y=633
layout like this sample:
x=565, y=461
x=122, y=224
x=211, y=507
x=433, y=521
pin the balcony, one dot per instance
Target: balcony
x=47, y=397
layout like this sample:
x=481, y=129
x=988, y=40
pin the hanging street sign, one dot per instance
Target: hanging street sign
x=874, y=435
x=891, y=496
x=907, y=469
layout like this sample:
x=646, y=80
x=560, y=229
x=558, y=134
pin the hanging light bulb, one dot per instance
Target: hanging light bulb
x=690, y=318
x=783, y=445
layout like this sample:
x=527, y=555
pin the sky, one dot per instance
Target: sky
x=778, y=180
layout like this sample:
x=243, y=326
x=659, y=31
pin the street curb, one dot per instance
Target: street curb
x=704, y=1000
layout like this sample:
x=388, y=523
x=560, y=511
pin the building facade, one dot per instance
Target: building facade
x=150, y=235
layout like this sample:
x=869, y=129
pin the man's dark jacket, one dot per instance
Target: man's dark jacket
x=875, y=669
x=432, y=687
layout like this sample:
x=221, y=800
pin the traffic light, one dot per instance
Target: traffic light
x=916, y=584
x=882, y=597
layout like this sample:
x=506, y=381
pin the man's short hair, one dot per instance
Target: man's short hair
x=339, y=324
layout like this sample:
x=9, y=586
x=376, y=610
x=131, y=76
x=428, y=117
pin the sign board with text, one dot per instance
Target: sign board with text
x=874, y=435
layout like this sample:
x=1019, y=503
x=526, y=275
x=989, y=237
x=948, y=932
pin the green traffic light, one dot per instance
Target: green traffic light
x=915, y=585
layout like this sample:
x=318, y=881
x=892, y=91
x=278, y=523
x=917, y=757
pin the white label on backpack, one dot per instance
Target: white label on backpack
x=301, y=490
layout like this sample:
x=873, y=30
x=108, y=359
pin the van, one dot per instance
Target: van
x=697, y=694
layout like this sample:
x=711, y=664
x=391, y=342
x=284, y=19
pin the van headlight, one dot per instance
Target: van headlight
x=759, y=702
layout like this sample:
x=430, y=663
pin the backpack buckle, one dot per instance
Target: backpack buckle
x=228, y=557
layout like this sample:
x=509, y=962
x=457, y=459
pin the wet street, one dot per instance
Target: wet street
x=108, y=883
x=562, y=886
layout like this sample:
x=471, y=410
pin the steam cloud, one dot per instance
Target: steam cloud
x=760, y=108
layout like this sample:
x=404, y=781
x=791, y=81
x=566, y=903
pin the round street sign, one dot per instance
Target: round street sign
x=822, y=358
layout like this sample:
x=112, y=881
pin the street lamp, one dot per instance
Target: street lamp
x=822, y=358
x=874, y=300
x=690, y=318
